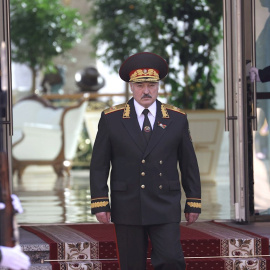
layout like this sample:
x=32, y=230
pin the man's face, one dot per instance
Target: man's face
x=145, y=93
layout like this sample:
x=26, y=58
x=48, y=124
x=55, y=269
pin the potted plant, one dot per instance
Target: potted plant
x=186, y=33
x=40, y=31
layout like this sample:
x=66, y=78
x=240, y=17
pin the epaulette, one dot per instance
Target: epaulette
x=173, y=108
x=124, y=106
x=165, y=107
x=115, y=108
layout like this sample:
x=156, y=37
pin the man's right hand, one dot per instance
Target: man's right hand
x=104, y=217
x=14, y=258
x=254, y=74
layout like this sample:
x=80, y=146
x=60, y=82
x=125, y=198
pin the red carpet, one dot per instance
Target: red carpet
x=96, y=243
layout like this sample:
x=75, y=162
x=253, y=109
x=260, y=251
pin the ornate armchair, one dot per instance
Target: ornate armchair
x=46, y=135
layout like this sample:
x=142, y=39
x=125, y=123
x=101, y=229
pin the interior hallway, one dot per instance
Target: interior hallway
x=48, y=200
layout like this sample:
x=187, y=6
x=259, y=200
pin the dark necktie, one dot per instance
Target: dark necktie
x=147, y=130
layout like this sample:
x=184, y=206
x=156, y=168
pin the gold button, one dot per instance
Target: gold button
x=160, y=174
x=160, y=187
x=142, y=186
x=160, y=162
x=143, y=174
x=143, y=161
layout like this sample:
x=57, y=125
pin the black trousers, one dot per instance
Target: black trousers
x=166, y=252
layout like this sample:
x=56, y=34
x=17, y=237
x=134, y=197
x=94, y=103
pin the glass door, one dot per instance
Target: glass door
x=261, y=139
x=246, y=36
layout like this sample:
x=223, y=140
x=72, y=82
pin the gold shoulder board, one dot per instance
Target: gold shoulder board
x=173, y=108
x=115, y=108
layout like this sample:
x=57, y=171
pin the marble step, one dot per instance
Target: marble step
x=36, y=249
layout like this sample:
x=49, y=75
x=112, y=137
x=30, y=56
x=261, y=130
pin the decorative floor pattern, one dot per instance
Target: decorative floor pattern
x=206, y=245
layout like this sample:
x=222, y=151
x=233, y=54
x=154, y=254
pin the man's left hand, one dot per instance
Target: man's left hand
x=191, y=217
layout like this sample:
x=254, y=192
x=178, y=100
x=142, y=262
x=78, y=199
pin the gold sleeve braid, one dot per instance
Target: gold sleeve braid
x=99, y=204
x=194, y=204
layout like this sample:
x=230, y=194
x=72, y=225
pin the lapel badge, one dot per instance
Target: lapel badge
x=147, y=129
x=161, y=125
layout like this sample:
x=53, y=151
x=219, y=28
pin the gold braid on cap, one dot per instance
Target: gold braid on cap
x=145, y=74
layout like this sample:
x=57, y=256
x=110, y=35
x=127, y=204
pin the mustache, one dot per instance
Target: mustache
x=146, y=96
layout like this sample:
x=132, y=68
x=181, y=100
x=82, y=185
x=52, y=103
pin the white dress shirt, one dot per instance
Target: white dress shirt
x=151, y=115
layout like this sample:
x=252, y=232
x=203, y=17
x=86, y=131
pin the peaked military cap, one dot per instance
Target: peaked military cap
x=144, y=66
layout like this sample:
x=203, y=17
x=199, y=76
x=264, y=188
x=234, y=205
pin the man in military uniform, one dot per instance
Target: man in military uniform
x=142, y=142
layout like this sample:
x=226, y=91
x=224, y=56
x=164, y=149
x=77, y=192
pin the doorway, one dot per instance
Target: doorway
x=246, y=37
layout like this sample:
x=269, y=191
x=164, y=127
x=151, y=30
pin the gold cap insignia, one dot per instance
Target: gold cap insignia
x=146, y=74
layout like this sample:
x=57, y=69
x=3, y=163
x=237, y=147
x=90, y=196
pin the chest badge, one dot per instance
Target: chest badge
x=162, y=125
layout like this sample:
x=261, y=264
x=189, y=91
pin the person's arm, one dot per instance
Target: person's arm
x=190, y=176
x=259, y=75
x=12, y=257
x=264, y=74
x=99, y=172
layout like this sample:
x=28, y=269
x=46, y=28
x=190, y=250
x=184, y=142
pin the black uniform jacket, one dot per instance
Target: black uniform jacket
x=264, y=74
x=144, y=179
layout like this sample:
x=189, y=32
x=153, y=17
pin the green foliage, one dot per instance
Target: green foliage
x=185, y=32
x=41, y=30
